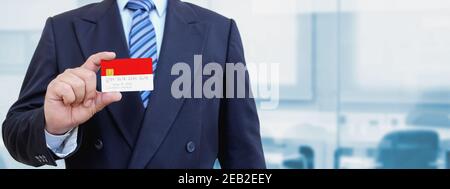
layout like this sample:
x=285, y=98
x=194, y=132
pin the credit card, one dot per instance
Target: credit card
x=126, y=75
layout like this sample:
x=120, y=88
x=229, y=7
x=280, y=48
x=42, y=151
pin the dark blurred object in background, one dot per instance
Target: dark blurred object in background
x=305, y=160
x=339, y=153
x=429, y=115
x=447, y=160
x=2, y=163
x=408, y=150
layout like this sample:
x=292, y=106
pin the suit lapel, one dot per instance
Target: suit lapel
x=183, y=38
x=101, y=30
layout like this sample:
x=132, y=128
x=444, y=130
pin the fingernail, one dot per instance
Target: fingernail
x=88, y=103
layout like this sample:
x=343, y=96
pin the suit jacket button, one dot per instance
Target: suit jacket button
x=99, y=144
x=190, y=147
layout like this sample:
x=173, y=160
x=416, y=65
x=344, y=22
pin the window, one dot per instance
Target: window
x=364, y=83
x=274, y=32
x=19, y=36
x=394, y=88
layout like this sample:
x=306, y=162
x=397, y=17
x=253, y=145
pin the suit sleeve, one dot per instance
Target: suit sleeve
x=239, y=135
x=23, y=128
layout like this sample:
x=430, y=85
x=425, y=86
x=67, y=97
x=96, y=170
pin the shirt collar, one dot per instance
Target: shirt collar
x=161, y=5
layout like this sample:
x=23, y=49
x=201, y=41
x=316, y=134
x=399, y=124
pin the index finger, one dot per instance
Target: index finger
x=93, y=62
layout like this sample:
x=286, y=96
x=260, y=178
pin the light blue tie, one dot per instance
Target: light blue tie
x=142, y=38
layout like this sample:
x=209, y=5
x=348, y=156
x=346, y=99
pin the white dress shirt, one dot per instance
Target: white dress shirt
x=63, y=145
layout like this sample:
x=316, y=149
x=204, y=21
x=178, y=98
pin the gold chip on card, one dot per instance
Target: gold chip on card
x=109, y=72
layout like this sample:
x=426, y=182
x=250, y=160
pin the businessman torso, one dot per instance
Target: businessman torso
x=170, y=133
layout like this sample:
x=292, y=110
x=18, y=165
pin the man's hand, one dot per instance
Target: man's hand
x=72, y=98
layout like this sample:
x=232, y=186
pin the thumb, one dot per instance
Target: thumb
x=104, y=99
x=93, y=62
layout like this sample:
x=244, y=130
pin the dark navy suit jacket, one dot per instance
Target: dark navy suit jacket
x=173, y=133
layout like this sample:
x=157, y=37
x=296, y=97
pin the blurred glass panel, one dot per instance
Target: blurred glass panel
x=13, y=48
x=394, y=92
x=274, y=32
x=19, y=36
x=301, y=36
x=363, y=82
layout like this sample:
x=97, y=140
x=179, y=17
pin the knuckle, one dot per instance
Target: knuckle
x=51, y=85
x=78, y=85
x=59, y=77
x=65, y=88
x=91, y=75
x=87, y=74
x=95, y=57
x=70, y=70
x=92, y=57
x=79, y=69
x=83, y=73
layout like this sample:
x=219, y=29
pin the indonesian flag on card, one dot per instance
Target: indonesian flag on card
x=126, y=75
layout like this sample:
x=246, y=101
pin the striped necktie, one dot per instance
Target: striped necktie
x=142, y=38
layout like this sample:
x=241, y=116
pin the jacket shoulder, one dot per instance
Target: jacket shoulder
x=75, y=12
x=206, y=15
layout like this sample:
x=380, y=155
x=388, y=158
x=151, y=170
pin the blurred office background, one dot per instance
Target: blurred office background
x=364, y=83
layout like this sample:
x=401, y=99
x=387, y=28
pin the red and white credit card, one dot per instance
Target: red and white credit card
x=127, y=75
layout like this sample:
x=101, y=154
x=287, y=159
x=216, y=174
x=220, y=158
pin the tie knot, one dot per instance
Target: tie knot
x=145, y=5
